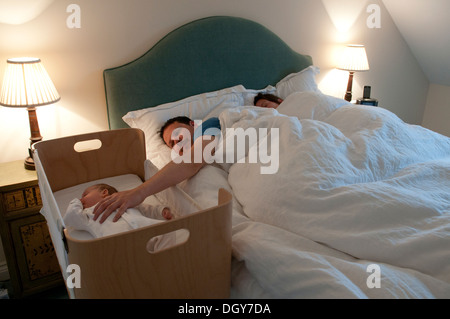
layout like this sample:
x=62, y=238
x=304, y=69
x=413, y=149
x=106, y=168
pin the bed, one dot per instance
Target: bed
x=329, y=200
x=356, y=206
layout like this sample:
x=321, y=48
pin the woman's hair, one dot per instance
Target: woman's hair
x=179, y=119
x=266, y=96
x=111, y=190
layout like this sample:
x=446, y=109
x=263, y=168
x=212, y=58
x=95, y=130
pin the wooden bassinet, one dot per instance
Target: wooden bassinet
x=119, y=266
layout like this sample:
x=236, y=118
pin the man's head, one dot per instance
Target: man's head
x=178, y=131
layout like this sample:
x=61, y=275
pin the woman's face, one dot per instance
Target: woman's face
x=267, y=104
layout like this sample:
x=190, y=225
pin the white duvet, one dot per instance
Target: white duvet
x=359, y=196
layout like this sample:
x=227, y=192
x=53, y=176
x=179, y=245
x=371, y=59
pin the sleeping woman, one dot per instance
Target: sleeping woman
x=267, y=100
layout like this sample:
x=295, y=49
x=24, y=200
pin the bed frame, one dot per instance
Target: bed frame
x=202, y=56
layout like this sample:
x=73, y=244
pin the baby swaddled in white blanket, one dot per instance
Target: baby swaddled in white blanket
x=80, y=216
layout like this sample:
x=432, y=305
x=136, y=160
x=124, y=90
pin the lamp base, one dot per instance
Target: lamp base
x=348, y=94
x=35, y=137
x=29, y=164
x=348, y=97
x=29, y=161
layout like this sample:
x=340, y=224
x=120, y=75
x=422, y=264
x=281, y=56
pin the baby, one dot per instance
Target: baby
x=79, y=215
x=93, y=194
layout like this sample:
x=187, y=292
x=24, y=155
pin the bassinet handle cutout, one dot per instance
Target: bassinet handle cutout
x=160, y=243
x=87, y=145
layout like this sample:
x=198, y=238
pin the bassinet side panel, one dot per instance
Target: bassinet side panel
x=121, y=152
x=60, y=166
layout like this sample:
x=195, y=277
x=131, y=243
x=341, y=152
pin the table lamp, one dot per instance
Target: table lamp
x=27, y=84
x=353, y=59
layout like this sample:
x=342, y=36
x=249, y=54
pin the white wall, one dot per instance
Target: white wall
x=114, y=32
x=437, y=112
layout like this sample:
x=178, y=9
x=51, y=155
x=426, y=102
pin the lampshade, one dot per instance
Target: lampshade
x=27, y=84
x=354, y=59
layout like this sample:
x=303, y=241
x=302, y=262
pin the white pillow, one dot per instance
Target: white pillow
x=302, y=81
x=196, y=107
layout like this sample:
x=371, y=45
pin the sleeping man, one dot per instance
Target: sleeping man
x=194, y=146
x=173, y=132
x=79, y=216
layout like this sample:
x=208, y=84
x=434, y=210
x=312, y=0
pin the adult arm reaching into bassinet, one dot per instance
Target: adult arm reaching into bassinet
x=170, y=175
x=81, y=218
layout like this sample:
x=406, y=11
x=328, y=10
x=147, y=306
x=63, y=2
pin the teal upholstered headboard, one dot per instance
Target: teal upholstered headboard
x=202, y=56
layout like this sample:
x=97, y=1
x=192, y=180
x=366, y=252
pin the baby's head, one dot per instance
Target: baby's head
x=93, y=194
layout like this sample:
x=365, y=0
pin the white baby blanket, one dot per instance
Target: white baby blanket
x=78, y=218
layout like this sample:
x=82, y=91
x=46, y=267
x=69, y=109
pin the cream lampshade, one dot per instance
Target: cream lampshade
x=353, y=59
x=27, y=84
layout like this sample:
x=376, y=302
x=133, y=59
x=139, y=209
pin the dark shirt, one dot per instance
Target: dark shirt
x=211, y=127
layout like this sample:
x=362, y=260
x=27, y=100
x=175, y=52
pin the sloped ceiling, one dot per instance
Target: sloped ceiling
x=425, y=26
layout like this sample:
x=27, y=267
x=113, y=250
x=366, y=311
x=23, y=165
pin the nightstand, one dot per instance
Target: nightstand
x=30, y=256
